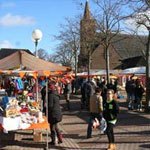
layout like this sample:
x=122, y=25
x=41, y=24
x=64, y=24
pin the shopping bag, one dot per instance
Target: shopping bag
x=103, y=124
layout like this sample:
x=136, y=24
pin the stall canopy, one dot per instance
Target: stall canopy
x=26, y=61
x=135, y=70
x=98, y=72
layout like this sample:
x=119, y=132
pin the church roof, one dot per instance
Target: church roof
x=129, y=46
x=126, y=51
x=137, y=61
x=87, y=13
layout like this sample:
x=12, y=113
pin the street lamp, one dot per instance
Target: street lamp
x=36, y=36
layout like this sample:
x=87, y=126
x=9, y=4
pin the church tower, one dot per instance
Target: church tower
x=87, y=36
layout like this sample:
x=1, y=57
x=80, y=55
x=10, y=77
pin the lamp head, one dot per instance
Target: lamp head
x=37, y=35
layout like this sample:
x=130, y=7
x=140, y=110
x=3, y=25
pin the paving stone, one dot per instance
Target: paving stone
x=132, y=132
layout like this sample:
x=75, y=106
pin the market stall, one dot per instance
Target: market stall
x=25, y=114
x=22, y=112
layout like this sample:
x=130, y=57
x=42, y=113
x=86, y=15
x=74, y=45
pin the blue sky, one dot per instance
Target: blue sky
x=18, y=18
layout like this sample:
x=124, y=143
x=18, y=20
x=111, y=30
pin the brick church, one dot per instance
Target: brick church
x=125, y=53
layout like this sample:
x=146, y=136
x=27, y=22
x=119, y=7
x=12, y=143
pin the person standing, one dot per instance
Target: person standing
x=96, y=108
x=83, y=93
x=54, y=114
x=110, y=111
x=43, y=95
x=139, y=90
x=89, y=89
x=67, y=92
x=130, y=89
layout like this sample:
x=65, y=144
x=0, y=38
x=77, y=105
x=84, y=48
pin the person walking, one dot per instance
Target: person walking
x=54, y=114
x=110, y=111
x=96, y=108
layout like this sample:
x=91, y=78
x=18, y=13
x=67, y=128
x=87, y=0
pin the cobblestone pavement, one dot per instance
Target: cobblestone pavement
x=132, y=132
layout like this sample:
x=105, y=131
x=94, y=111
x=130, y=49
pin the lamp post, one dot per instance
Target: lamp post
x=36, y=36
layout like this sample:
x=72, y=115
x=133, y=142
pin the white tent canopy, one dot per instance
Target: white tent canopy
x=135, y=70
x=98, y=72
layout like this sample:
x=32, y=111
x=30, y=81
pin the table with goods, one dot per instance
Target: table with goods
x=22, y=112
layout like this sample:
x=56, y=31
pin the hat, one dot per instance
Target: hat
x=52, y=87
x=67, y=81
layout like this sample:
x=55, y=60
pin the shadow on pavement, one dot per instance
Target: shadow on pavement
x=125, y=120
x=24, y=144
x=145, y=146
x=125, y=117
x=74, y=136
x=146, y=132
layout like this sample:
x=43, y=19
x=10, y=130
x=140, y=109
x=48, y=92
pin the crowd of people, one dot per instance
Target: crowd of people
x=88, y=88
x=94, y=97
x=99, y=98
x=135, y=90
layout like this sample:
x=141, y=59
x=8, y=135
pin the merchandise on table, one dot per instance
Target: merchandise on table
x=19, y=113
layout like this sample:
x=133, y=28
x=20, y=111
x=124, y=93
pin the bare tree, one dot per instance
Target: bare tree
x=42, y=54
x=69, y=38
x=136, y=6
x=141, y=16
x=62, y=56
x=109, y=17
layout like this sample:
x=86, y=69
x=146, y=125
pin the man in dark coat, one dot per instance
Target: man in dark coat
x=54, y=114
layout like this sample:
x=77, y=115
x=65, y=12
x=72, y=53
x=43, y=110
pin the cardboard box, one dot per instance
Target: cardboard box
x=37, y=136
